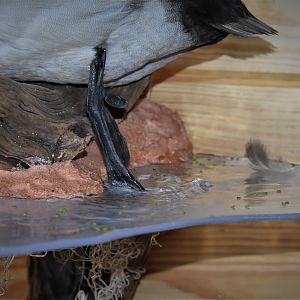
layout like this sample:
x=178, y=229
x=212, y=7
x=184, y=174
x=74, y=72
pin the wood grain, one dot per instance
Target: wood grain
x=201, y=243
x=251, y=260
x=241, y=88
x=270, y=276
x=17, y=286
x=40, y=125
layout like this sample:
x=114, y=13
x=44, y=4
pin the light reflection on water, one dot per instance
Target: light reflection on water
x=211, y=190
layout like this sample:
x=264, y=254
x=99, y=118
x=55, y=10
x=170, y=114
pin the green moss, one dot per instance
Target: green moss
x=260, y=194
x=62, y=210
x=105, y=229
x=247, y=206
x=97, y=228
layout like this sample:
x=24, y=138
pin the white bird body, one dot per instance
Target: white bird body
x=53, y=41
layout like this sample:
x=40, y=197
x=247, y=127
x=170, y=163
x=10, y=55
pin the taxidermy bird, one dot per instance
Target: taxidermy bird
x=106, y=43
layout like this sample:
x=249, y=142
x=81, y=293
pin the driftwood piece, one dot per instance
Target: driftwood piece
x=44, y=123
x=40, y=125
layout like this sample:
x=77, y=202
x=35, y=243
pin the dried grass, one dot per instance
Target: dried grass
x=114, y=260
x=5, y=263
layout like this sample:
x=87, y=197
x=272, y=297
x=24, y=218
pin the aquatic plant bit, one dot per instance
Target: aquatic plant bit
x=62, y=210
x=5, y=263
x=247, y=206
x=105, y=229
x=285, y=203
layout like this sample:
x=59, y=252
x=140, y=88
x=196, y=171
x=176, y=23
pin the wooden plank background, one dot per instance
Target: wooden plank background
x=241, y=88
x=226, y=94
x=250, y=260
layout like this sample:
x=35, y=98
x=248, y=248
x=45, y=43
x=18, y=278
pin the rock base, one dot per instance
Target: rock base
x=154, y=134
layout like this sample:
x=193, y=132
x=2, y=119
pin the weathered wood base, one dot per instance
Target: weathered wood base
x=39, y=125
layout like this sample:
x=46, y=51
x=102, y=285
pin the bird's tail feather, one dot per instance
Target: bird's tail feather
x=232, y=16
x=246, y=26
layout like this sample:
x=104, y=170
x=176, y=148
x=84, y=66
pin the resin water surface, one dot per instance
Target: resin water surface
x=210, y=190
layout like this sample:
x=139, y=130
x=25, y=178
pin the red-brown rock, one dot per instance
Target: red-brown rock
x=154, y=134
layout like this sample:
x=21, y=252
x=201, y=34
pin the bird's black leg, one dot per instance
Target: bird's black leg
x=112, y=143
